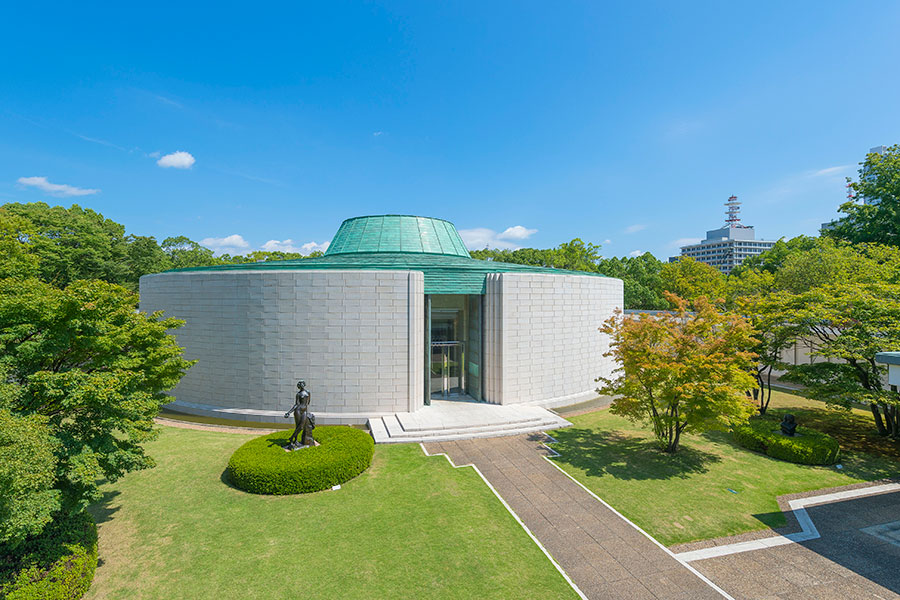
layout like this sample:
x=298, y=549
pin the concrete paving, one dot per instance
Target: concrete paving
x=857, y=556
x=603, y=554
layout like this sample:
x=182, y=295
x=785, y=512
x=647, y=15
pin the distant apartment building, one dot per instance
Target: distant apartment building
x=727, y=247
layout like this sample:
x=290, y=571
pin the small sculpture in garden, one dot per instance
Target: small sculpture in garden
x=304, y=420
x=788, y=425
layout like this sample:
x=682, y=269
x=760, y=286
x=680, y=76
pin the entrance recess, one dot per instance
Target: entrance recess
x=454, y=347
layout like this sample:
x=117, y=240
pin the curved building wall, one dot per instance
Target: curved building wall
x=542, y=343
x=356, y=337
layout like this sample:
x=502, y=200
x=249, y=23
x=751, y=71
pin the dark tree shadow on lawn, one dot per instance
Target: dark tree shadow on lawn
x=853, y=464
x=101, y=510
x=612, y=453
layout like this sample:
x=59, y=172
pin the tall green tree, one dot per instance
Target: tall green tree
x=84, y=361
x=680, y=371
x=27, y=472
x=691, y=279
x=848, y=323
x=17, y=258
x=73, y=243
x=184, y=252
x=873, y=214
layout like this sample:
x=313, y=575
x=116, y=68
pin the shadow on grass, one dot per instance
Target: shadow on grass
x=101, y=509
x=853, y=431
x=611, y=453
x=856, y=465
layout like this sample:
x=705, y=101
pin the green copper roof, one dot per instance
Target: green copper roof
x=397, y=233
x=401, y=243
x=443, y=274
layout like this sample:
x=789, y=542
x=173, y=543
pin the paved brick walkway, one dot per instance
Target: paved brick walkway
x=602, y=553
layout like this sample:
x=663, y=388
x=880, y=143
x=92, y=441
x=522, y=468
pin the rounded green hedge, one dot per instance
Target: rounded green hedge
x=808, y=447
x=261, y=466
x=58, y=564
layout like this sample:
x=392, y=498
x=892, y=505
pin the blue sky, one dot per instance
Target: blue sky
x=626, y=124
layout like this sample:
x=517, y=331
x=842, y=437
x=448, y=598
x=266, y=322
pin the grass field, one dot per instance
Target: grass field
x=711, y=487
x=410, y=527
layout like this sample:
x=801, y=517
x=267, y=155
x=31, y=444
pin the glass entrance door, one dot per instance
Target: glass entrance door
x=447, y=373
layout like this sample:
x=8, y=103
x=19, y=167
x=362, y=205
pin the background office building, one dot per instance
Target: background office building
x=727, y=247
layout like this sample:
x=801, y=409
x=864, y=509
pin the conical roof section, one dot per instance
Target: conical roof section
x=397, y=233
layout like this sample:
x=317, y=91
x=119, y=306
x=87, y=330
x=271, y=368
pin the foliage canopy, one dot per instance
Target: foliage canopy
x=680, y=371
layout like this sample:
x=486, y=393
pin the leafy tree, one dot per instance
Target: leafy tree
x=772, y=259
x=27, y=473
x=849, y=323
x=575, y=256
x=641, y=278
x=877, y=218
x=774, y=332
x=16, y=237
x=680, y=371
x=184, y=252
x=73, y=243
x=691, y=279
x=144, y=257
x=87, y=362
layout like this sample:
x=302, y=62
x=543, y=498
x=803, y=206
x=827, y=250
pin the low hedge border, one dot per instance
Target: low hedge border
x=807, y=447
x=58, y=564
x=261, y=466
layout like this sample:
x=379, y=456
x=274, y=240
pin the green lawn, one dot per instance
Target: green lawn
x=410, y=527
x=687, y=497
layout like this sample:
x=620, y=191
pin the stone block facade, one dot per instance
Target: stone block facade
x=356, y=337
x=542, y=344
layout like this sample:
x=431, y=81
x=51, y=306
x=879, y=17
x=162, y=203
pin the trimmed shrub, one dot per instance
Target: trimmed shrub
x=261, y=466
x=58, y=564
x=808, y=447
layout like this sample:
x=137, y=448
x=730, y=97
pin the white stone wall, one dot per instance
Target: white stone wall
x=542, y=343
x=356, y=337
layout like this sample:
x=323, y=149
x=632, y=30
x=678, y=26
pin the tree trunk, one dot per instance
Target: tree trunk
x=879, y=423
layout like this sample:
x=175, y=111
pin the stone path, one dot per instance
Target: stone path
x=603, y=554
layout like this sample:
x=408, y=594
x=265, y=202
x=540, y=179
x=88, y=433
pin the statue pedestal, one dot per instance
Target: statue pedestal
x=298, y=446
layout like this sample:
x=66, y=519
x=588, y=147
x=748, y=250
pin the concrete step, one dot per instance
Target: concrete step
x=389, y=430
x=378, y=430
x=480, y=416
x=450, y=435
x=397, y=432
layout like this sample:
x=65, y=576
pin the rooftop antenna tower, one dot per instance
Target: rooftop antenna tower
x=732, y=219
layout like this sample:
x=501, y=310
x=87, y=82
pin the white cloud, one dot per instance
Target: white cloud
x=156, y=154
x=635, y=228
x=482, y=237
x=177, y=160
x=231, y=244
x=516, y=232
x=829, y=171
x=290, y=246
x=607, y=242
x=60, y=190
x=636, y=253
x=684, y=242
x=377, y=133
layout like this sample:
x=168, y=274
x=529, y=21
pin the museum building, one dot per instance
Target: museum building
x=394, y=315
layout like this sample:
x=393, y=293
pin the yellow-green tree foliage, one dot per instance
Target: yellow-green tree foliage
x=681, y=371
x=690, y=279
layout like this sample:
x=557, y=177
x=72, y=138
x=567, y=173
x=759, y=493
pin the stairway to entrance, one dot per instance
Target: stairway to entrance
x=446, y=421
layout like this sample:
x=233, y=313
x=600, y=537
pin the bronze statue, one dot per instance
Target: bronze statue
x=304, y=420
x=788, y=425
